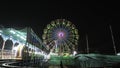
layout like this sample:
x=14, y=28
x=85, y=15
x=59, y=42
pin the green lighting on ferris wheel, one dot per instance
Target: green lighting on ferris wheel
x=64, y=32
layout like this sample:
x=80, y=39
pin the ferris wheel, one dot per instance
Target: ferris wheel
x=62, y=35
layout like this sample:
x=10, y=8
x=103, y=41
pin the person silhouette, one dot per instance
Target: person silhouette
x=61, y=64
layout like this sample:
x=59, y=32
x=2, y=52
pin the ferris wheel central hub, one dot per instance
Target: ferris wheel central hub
x=61, y=35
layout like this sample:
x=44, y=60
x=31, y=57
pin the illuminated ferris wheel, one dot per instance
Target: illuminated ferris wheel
x=62, y=35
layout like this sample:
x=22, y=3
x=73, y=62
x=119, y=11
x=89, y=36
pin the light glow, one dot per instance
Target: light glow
x=61, y=34
x=74, y=53
x=12, y=31
x=118, y=54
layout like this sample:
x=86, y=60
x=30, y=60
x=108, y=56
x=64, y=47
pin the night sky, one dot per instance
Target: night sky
x=91, y=18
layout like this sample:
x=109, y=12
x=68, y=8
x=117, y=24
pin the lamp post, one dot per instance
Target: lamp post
x=114, y=47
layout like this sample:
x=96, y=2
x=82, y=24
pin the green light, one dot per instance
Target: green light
x=48, y=26
x=45, y=31
x=53, y=23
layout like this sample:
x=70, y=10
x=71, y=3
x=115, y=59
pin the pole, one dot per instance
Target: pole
x=87, y=44
x=2, y=57
x=114, y=47
x=55, y=45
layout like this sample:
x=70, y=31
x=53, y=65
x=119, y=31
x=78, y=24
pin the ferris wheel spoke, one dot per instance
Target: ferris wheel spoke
x=67, y=46
x=48, y=39
x=70, y=44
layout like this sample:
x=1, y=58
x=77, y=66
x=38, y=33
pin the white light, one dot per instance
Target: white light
x=5, y=38
x=1, y=31
x=22, y=37
x=118, y=53
x=15, y=50
x=10, y=37
x=48, y=56
x=74, y=53
x=12, y=31
x=18, y=35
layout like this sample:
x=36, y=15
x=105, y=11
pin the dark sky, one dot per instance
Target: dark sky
x=92, y=18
